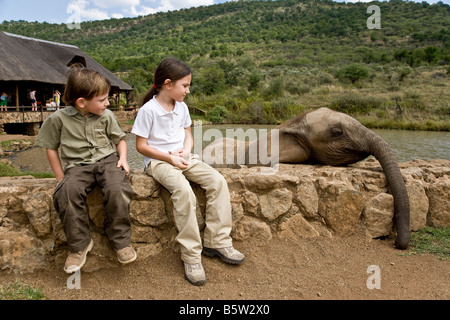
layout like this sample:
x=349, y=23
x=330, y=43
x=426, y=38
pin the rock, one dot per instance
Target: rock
x=149, y=213
x=439, y=199
x=95, y=207
x=297, y=227
x=378, y=215
x=251, y=202
x=21, y=251
x=144, y=186
x=253, y=229
x=340, y=206
x=307, y=198
x=275, y=203
x=38, y=212
x=419, y=205
x=144, y=251
x=101, y=255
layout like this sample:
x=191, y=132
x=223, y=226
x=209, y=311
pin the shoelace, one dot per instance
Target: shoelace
x=195, y=266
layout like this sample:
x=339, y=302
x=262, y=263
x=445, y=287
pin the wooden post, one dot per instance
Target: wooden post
x=17, y=96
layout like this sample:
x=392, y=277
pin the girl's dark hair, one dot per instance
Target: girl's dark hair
x=169, y=68
x=84, y=83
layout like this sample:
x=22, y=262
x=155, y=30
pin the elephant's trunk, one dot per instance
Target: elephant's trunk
x=380, y=150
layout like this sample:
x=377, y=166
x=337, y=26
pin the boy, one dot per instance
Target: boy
x=92, y=151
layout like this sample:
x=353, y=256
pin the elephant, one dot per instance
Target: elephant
x=322, y=136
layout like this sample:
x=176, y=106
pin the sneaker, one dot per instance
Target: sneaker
x=229, y=255
x=75, y=260
x=126, y=255
x=194, y=274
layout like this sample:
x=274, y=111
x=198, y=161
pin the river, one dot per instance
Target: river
x=406, y=145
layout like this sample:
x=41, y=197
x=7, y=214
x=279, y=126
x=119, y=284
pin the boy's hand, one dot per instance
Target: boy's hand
x=59, y=179
x=124, y=165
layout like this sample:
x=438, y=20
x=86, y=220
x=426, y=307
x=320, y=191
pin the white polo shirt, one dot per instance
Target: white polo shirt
x=164, y=130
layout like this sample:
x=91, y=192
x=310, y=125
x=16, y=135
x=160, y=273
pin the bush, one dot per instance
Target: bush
x=353, y=72
x=356, y=103
x=275, y=88
x=217, y=114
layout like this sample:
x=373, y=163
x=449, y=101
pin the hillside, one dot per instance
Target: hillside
x=265, y=61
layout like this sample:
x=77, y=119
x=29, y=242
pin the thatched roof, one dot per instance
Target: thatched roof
x=29, y=59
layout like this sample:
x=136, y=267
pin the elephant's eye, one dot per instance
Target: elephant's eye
x=336, y=132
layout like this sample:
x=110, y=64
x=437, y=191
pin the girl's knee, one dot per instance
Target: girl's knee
x=219, y=183
x=184, y=192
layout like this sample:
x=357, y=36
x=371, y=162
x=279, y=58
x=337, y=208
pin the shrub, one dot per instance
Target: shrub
x=356, y=103
x=353, y=72
x=217, y=114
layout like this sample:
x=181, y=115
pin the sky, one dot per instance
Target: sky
x=73, y=11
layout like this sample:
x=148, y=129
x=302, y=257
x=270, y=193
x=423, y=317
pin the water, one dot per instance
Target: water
x=410, y=145
x=406, y=145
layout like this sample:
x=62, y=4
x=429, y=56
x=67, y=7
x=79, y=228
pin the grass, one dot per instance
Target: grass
x=7, y=170
x=18, y=291
x=431, y=240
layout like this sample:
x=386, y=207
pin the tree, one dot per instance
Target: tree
x=353, y=72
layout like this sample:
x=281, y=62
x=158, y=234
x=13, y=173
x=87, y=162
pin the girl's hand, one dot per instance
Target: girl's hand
x=180, y=153
x=179, y=161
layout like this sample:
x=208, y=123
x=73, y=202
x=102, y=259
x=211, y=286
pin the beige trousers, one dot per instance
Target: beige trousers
x=218, y=207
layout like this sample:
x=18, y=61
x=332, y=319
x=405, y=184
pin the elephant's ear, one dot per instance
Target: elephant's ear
x=289, y=130
x=293, y=126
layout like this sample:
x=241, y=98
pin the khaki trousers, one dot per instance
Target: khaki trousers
x=218, y=206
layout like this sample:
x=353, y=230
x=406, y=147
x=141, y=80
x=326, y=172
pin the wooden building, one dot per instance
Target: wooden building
x=28, y=64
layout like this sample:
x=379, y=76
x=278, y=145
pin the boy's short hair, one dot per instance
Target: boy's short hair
x=84, y=83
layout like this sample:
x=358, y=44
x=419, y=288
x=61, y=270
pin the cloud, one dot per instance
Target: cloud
x=164, y=6
x=115, y=3
x=80, y=11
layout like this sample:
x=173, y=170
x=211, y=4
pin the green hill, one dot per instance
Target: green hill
x=265, y=61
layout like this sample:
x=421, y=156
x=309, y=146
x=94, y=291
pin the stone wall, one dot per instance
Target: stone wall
x=297, y=201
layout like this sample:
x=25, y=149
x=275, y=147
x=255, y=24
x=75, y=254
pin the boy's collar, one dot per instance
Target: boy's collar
x=72, y=111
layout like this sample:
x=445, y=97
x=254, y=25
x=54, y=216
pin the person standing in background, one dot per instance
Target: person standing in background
x=4, y=101
x=33, y=100
x=57, y=98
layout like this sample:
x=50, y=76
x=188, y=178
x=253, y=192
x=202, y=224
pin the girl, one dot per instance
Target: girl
x=163, y=136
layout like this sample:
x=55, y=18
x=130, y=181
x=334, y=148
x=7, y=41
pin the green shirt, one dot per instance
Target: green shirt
x=82, y=140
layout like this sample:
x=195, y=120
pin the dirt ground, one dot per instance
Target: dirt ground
x=300, y=269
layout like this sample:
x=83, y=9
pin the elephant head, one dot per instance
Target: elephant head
x=332, y=138
x=328, y=137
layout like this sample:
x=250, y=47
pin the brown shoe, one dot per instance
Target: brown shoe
x=126, y=255
x=75, y=260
